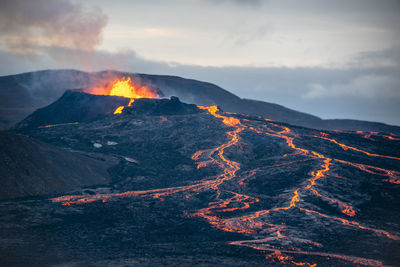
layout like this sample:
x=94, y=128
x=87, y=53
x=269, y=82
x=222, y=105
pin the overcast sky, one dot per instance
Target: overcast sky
x=334, y=59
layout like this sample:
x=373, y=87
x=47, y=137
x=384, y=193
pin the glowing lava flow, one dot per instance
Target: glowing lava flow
x=346, y=147
x=60, y=124
x=348, y=210
x=229, y=121
x=230, y=168
x=368, y=135
x=125, y=88
x=259, y=223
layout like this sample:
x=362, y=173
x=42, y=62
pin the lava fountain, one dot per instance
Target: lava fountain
x=126, y=88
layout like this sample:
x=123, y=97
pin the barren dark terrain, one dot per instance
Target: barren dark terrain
x=192, y=185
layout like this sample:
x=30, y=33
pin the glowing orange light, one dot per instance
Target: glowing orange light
x=125, y=88
x=232, y=202
x=229, y=121
x=60, y=124
x=119, y=110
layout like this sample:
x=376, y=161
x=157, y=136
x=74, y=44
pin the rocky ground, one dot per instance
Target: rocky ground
x=194, y=186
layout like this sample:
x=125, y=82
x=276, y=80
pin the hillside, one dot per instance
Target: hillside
x=23, y=93
x=192, y=185
x=29, y=167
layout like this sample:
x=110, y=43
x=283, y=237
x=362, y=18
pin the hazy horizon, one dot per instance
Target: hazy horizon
x=331, y=59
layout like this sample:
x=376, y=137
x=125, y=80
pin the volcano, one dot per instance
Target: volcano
x=22, y=94
x=164, y=182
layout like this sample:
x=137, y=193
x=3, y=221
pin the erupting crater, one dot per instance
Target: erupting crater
x=126, y=88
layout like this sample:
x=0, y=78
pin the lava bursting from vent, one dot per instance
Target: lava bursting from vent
x=125, y=88
x=271, y=237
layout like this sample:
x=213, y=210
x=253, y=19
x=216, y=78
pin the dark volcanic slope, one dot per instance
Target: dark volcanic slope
x=73, y=107
x=21, y=94
x=199, y=186
x=29, y=167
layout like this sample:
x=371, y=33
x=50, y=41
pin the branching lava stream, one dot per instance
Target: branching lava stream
x=235, y=212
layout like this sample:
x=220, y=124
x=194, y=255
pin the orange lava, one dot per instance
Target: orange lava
x=119, y=110
x=376, y=134
x=125, y=88
x=229, y=121
x=346, y=147
x=60, y=124
x=225, y=212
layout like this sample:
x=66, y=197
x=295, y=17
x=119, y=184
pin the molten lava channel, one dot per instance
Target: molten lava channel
x=229, y=202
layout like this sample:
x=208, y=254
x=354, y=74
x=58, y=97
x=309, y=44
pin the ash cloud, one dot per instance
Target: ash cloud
x=26, y=27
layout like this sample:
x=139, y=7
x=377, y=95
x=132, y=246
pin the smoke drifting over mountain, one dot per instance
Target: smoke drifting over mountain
x=332, y=59
x=29, y=26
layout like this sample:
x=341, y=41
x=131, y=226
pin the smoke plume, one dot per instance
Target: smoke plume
x=30, y=27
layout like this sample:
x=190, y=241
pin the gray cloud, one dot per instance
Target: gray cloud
x=27, y=25
x=387, y=57
x=239, y=2
x=40, y=34
x=366, y=86
x=367, y=93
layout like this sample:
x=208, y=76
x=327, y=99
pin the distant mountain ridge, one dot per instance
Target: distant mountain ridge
x=21, y=94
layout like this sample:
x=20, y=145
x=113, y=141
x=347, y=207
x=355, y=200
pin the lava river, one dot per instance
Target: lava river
x=237, y=212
